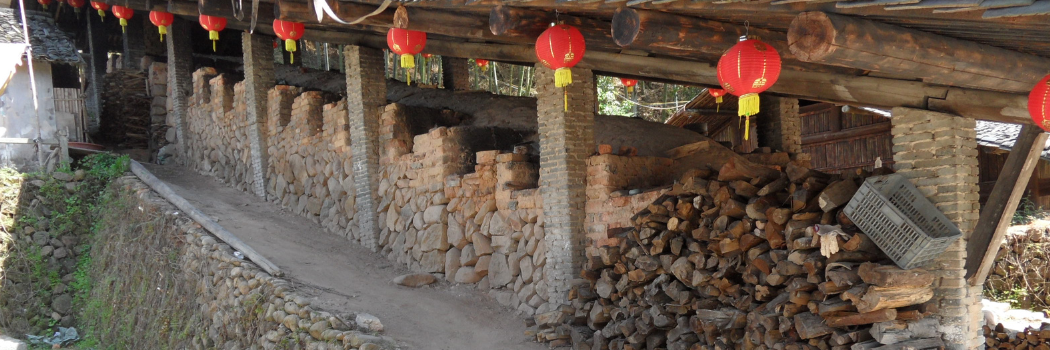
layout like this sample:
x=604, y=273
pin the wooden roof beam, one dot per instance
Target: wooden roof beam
x=831, y=39
x=528, y=24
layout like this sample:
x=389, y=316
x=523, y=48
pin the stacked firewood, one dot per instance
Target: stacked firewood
x=736, y=259
x=1031, y=338
x=125, y=119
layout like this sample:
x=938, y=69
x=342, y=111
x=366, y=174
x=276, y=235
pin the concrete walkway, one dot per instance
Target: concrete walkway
x=344, y=277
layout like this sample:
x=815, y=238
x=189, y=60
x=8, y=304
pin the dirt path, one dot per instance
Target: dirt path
x=344, y=277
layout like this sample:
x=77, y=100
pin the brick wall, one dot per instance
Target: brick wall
x=610, y=179
x=779, y=125
x=938, y=153
x=259, y=78
x=566, y=139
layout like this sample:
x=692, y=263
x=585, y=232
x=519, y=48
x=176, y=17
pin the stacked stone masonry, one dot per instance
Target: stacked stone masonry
x=938, y=153
x=226, y=285
x=445, y=205
x=780, y=126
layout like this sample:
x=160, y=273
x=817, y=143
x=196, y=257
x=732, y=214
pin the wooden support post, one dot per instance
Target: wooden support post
x=455, y=73
x=864, y=44
x=999, y=209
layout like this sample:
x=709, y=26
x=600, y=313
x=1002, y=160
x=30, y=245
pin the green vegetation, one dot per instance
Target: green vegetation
x=43, y=216
x=1027, y=211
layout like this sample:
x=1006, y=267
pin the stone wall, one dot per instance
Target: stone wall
x=241, y=305
x=217, y=143
x=452, y=200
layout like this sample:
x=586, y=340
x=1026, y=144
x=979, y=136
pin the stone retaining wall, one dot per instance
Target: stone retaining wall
x=241, y=305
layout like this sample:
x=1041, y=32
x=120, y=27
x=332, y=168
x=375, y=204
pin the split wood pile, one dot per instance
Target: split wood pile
x=1022, y=270
x=125, y=117
x=1032, y=338
x=732, y=260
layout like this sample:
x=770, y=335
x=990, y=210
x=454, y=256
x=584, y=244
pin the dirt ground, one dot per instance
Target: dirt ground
x=343, y=277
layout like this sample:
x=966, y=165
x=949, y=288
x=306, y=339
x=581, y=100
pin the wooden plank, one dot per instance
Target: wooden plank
x=1041, y=7
x=203, y=219
x=857, y=4
x=999, y=209
x=860, y=131
x=994, y=4
x=935, y=4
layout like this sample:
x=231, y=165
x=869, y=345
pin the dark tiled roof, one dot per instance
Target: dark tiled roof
x=49, y=42
x=1002, y=135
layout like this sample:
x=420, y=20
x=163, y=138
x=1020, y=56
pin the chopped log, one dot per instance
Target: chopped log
x=856, y=319
x=917, y=344
x=737, y=168
x=837, y=194
x=890, y=276
x=864, y=44
x=527, y=24
x=811, y=326
x=878, y=298
x=688, y=149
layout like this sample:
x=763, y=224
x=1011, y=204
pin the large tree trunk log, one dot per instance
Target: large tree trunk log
x=528, y=24
x=859, y=43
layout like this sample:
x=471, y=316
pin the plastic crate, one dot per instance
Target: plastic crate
x=900, y=220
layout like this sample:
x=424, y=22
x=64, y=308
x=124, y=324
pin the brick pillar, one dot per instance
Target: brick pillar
x=180, y=78
x=455, y=73
x=566, y=140
x=365, y=98
x=779, y=126
x=258, y=80
x=134, y=43
x=98, y=45
x=938, y=152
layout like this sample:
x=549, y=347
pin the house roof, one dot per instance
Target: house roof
x=1002, y=136
x=49, y=42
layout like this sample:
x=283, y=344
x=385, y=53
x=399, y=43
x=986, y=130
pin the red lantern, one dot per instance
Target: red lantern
x=162, y=20
x=1039, y=103
x=748, y=68
x=44, y=3
x=124, y=14
x=406, y=43
x=76, y=4
x=483, y=64
x=289, y=32
x=428, y=55
x=629, y=84
x=213, y=25
x=717, y=94
x=101, y=7
x=559, y=48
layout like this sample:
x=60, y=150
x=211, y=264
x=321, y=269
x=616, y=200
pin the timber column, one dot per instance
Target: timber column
x=96, y=69
x=258, y=80
x=779, y=125
x=180, y=79
x=566, y=140
x=455, y=73
x=365, y=98
x=938, y=153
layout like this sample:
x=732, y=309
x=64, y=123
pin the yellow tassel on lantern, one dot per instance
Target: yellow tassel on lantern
x=214, y=36
x=45, y=7
x=562, y=77
x=102, y=14
x=123, y=25
x=408, y=61
x=630, y=89
x=163, y=31
x=748, y=107
x=289, y=45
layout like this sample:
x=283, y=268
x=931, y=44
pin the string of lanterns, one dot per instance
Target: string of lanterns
x=745, y=70
x=213, y=25
x=1039, y=103
x=162, y=20
x=289, y=32
x=124, y=14
x=406, y=43
x=101, y=7
x=76, y=5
